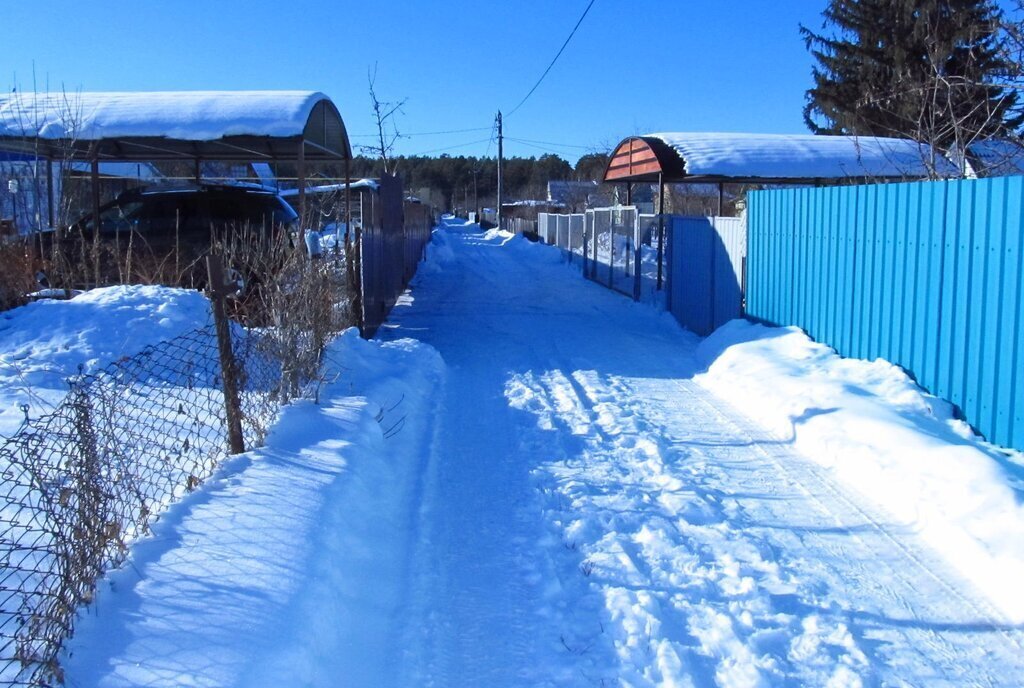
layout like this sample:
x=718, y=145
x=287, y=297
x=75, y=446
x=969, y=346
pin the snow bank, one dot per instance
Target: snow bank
x=284, y=568
x=44, y=343
x=879, y=432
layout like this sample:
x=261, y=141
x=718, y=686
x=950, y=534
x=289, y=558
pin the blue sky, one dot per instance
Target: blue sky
x=634, y=66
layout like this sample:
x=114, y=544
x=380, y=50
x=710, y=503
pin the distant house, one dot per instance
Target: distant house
x=577, y=196
x=994, y=158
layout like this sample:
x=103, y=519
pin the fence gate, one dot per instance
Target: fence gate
x=706, y=264
x=612, y=249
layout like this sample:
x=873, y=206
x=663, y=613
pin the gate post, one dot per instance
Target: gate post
x=637, y=255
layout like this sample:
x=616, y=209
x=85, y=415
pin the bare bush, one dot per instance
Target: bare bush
x=16, y=275
x=302, y=301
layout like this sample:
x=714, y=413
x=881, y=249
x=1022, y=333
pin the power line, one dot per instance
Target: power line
x=448, y=148
x=548, y=143
x=494, y=127
x=424, y=133
x=530, y=145
x=559, y=54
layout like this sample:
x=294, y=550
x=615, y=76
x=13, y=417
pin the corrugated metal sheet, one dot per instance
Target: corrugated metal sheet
x=391, y=244
x=562, y=231
x=576, y=223
x=544, y=220
x=705, y=271
x=927, y=275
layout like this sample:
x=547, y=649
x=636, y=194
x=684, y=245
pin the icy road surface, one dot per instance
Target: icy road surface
x=557, y=504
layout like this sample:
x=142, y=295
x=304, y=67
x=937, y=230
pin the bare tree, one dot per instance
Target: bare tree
x=384, y=113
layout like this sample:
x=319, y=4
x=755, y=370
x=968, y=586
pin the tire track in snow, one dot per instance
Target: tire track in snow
x=942, y=656
x=925, y=563
x=668, y=547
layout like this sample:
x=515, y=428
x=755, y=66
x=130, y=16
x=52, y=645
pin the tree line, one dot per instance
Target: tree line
x=454, y=179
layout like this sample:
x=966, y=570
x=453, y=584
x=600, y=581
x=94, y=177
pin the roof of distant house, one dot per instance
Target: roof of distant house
x=996, y=157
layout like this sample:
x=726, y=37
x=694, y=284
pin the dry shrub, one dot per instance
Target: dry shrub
x=17, y=278
x=301, y=302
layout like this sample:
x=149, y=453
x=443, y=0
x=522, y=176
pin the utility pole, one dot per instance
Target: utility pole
x=500, y=151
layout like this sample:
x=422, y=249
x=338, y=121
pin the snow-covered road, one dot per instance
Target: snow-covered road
x=595, y=515
x=566, y=507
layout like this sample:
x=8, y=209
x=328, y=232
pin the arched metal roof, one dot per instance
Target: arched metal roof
x=771, y=158
x=168, y=125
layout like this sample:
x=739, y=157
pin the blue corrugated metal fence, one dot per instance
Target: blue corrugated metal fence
x=927, y=275
x=705, y=271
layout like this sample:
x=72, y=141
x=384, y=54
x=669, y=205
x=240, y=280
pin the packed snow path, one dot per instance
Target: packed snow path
x=559, y=504
x=593, y=516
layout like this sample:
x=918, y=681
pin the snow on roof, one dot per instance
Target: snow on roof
x=534, y=203
x=371, y=184
x=186, y=115
x=801, y=156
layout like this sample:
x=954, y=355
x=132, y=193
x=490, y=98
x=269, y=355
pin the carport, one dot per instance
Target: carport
x=229, y=126
x=792, y=159
x=798, y=159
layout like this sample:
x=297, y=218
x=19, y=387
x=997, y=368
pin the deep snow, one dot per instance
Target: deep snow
x=880, y=433
x=527, y=480
x=46, y=342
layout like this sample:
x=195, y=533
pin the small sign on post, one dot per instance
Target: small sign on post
x=219, y=291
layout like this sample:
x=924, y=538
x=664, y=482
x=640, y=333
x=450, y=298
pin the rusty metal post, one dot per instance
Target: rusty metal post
x=219, y=291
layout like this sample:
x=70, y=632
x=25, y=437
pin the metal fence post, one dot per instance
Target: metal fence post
x=228, y=366
x=637, y=256
x=86, y=552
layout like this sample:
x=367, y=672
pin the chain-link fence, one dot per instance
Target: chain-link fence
x=82, y=483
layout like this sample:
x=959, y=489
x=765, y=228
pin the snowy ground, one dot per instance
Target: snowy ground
x=528, y=481
x=46, y=342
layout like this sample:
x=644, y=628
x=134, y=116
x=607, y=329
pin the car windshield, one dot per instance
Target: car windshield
x=261, y=211
x=117, y=218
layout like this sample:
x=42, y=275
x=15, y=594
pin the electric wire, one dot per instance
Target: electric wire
x=426, y=133
x=448, y=148
x=559, y=54
x=536, y=144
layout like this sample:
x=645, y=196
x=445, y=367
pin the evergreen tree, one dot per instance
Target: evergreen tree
x=922, y=69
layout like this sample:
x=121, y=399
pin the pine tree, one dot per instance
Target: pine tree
x=922, y=69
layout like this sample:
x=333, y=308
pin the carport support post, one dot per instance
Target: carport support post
x=197, y=172
x=721, y=193
x=661, y=224
x=95, y=178
x=348, y=203
x=49, y=191
x=301, y=164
